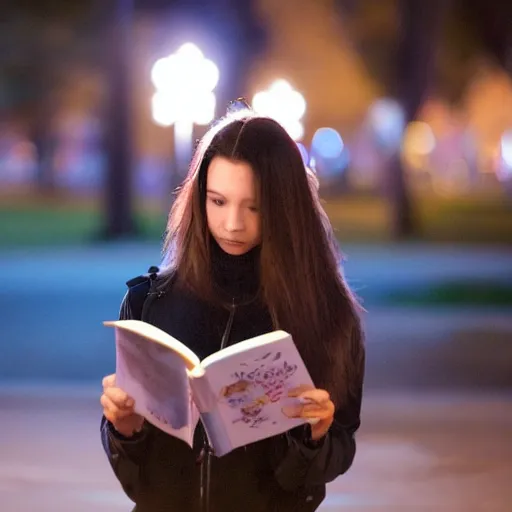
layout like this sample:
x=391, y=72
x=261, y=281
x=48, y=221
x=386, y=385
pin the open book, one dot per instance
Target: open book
x=238, y=393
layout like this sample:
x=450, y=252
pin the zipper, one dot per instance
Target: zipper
x=227, y=330
x=204, y=458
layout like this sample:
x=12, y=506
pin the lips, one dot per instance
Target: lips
x=232, y=242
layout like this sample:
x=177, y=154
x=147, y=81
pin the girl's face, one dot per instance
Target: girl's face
x=232, y=207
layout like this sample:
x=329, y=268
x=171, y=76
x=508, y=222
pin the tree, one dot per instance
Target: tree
x=119, y=219
x=419, y=27
x=398, y=40
x=41, y=41
x=492, y=21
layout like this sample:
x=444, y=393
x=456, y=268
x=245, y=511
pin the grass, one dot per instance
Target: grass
x=476, y=219
x=466, y=293
x=36, y=226
x=32, y=221
x=469, y=220
x=55, y=222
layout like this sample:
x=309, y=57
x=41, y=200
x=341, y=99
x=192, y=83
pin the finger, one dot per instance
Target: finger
x=294, y=392
x=309, y=411
x=108, y=406
x=110, y=416
x=313, y=411
x=109, y=381
x=112, y=410
x=320, y=414
x=119, y=397
x=324, y=407
x=319, y=396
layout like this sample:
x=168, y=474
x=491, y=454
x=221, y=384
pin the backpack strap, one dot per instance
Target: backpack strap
x=139, y=288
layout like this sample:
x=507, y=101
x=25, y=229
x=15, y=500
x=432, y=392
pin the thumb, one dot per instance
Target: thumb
x=109, y=381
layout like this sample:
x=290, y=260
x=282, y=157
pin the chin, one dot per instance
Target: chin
x=234, y=249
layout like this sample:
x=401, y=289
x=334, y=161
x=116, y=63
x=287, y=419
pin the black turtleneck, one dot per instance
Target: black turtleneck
x=236, y=278
x=199, y=324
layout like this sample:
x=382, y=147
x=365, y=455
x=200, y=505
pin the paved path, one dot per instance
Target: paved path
x=416, y=453
x=444, y=446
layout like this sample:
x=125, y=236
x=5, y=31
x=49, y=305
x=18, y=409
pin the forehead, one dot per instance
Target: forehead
x=231, y=178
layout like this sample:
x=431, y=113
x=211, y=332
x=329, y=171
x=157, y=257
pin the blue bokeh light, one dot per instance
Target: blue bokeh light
x=329, y=154
x=387, y=119
x=327, y=143
x=506, y=148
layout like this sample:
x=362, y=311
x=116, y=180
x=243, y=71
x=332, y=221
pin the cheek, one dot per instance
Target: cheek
x=255, y=227
x=211, y=217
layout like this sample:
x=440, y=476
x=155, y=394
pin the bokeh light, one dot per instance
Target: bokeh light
x=330, y=156
x=184, y=83
x=284, y=104
x=387, y=121
x=327, y=143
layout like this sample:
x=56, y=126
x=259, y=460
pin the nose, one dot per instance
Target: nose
x=234, y=220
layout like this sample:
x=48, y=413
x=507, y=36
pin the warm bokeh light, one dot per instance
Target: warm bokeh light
x=418, y=139
x=184, y=83
x=284, y=104
x=418, y=143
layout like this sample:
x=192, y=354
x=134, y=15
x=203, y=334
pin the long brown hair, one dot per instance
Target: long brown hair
x=300, y=279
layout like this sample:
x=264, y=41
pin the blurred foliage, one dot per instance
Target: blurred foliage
x=471, y=30
x=31, y=222
x=461, y=47
x=62, y=9
x=42, y=44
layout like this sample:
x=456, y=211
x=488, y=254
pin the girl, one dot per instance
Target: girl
x=248, y=250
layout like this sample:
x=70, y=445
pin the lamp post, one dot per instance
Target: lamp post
x=284, y=104
x=184, y=83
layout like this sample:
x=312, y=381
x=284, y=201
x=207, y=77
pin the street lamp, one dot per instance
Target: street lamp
x=184, y=83
x=284, y=104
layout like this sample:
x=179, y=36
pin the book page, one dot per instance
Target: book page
x=156, y=335
x=156, y=378
x=251, y=388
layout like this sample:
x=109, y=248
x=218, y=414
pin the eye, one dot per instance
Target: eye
x=254, y=209
x=217, y=202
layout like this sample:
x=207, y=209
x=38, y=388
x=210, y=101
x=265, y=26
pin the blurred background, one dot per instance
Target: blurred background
x=403, y=108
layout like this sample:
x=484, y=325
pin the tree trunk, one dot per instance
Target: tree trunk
x=118, y=199
x=44, y=141
x=245, y=39
x=417, y=42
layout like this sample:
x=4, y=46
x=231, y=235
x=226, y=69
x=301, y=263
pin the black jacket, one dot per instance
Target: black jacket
x=284, y=473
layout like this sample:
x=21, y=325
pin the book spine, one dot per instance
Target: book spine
x=206, y=403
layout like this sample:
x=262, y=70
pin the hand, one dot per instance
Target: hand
x=118, y=408
x=317, y=405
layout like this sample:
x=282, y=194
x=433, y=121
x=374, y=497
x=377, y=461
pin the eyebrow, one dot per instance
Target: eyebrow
x=247, y=199
x=211, y=191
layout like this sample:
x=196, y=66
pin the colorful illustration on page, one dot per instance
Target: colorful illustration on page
x=250, y=391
